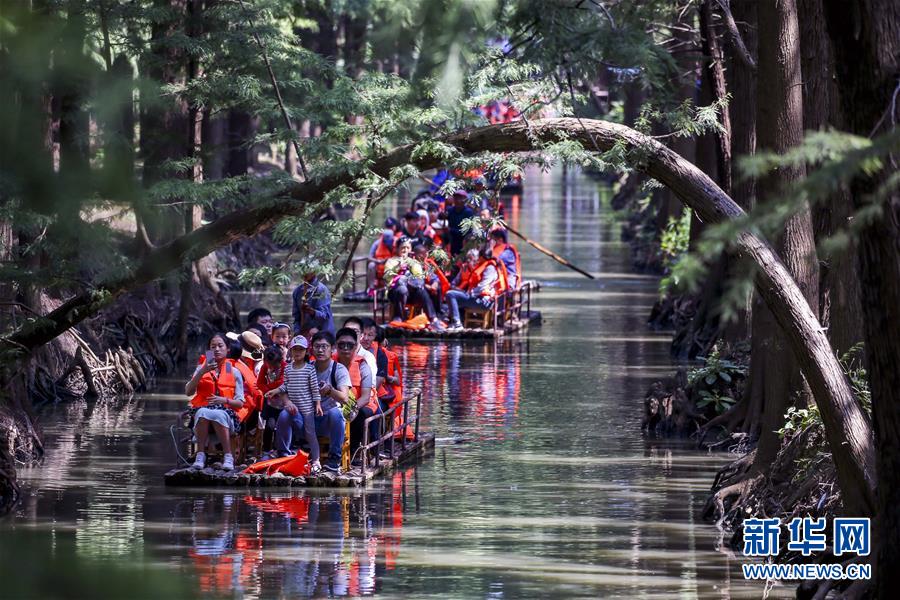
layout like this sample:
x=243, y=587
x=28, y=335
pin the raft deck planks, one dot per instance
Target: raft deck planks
x=210, y=476
x=465, y=334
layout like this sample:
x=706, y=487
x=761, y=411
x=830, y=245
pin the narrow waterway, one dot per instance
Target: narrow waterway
x=541, y=483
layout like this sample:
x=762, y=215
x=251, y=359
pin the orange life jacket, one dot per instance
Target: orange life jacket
x=445, y=283
x=500, y=286
x=465, y=274
x=220, y=382
x=500, y=249
x=382, y=252
x=253, y=396
x=356, y=381
x=393, y=370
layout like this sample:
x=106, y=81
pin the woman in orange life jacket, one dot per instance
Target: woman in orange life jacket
x=381, y=250
x=478, y=291
x=508, y=255
x=217, y=390
x=362, y=384
x=436, y=283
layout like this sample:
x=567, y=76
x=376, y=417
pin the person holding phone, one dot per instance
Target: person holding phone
x=217, y=391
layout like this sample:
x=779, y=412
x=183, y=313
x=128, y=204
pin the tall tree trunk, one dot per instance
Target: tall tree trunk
x=866, y=43
x=774, y=371
x=191, y=213
x=839, y=293
x=164, y=118
x=742, y=110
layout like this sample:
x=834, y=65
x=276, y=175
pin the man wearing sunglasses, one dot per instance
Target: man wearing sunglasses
x=362, y=383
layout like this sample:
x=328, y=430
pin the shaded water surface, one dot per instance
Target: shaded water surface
x=541, y=483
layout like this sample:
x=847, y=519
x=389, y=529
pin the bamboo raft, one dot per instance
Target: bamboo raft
x=471, y=333
x=407, y=445
x=357, y=477
x=511, y=312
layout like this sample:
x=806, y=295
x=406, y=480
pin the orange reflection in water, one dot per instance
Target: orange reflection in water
x=300, y=545
x=465, y=382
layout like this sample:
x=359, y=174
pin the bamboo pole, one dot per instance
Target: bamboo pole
x=548, y=252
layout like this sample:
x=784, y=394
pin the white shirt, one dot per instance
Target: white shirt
x=370, y=359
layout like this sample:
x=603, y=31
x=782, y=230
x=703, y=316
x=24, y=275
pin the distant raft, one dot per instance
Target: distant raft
x=510, y=313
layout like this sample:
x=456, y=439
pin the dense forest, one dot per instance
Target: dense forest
x=156, y=152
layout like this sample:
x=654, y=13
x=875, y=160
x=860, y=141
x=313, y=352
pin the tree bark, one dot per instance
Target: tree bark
x=163, y=118
x=846, y=426
x=866, y=43
x=839, y=292
x=774, y=371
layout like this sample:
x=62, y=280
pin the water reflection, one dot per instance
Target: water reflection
x=303, y=544
x=472, y=384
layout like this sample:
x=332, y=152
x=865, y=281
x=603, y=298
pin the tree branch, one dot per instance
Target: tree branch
x=736, y=40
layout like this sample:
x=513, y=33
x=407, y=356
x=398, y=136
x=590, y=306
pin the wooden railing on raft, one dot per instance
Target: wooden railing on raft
x=508, y=307
x=402, y=429
x=357, y=277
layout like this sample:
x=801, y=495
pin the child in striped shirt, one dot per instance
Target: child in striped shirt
x=302, y=405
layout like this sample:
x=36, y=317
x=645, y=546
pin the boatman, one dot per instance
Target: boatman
x=312, y=305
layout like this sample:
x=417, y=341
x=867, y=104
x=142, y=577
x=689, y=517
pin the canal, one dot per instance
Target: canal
x=541, y=483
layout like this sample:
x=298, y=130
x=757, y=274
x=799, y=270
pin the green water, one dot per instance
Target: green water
x=541, y=484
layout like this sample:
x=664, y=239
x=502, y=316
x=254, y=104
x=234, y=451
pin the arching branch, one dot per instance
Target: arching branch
x=847, y=427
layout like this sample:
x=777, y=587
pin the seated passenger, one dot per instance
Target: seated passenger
x=281, y=337
x=406, y=285
x=334, y=388
x=436, y=283
x=362, y=385
x=381, y=250
x=217, y=388
x=302, y=405
x=271, y=376
x=477, y=290
x=425, y=224
x=507, y=255
x=411, y=229
x=356, y=324
x=263, y=318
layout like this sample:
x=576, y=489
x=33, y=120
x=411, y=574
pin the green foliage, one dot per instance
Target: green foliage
x=802, y=419
x=715, y=399
x=673, y=245
x=715, y=369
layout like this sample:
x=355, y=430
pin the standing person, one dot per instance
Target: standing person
x=217, y=391
x=478, y=291
x=506, y=254
x=312, y=305
x=334, y=387
x=458, y=212
x=302, y=405
x=261, y=316
x=362, y=384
